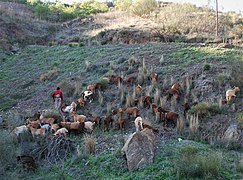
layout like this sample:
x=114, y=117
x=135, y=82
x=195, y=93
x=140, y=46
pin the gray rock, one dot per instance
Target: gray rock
x=139, y=149
x=231, y=134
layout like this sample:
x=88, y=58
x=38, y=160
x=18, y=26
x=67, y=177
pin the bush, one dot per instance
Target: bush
x=143, y=7
x=201, y=109
x=67, y=87
x=192, y=164
x=73, y=44
x=50, y=75
x=7, y=153
x=123, y=5
x=206, y=67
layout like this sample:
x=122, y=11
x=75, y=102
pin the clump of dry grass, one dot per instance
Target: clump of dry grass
x=129, y=100
x=67, y=87
x=87, y=65
x=180, y=125
x=50, y=75
x=122, y=96
x=89, y=144
x=141, y=75
x=162, y=60
x=157, y=96
x=173, y=103
x=100, y=98
x=132, y=61
x=193, y=124
x=163, y=102
x=77, y=86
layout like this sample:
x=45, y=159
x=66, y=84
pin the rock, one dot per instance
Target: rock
x=232, y=134
x=139, y=149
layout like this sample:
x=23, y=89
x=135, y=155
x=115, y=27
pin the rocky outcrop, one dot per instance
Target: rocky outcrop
x=232, y=134
x=139, y=149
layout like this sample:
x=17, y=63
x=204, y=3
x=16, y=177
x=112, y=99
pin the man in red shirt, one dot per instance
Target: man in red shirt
x=57, y=94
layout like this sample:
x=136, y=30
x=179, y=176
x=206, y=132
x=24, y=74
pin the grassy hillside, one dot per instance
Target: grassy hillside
x=23, y=92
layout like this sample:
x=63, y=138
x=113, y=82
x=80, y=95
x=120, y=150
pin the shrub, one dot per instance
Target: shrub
x=51, y=43
x=67, y=87
x=222, y=78
x=7, y=152
x=143, y=7
x=123, y=5
x=104, y=82
x=206, y=67
x=201, y=109
x=81, y=44
x=191, y=164
x=89, y=143
x=50, y=75
x=73, y=44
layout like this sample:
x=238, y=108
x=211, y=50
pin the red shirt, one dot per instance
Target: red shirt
x=56, y=92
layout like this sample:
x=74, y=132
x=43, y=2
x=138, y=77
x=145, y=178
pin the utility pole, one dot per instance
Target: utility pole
x=217, y=19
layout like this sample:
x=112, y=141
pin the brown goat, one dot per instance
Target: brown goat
x=34, y=124
x=74, y=126
x=117, y=80
x=149, y=127
x=99, y=86
x=47, y=121
x=27, y=161
x=81, y=102
x=131, y=80
x=131, y=111
x=36, y=132
x=78, y=118
x=153, y=77
x=108, y=121
x=187, y=107
x=54, y=128
x=96, y=119
x=146, y=101
x=91, y=88
x=121, y=120
x=154, y=108
x=168, y=116
x=175, y=90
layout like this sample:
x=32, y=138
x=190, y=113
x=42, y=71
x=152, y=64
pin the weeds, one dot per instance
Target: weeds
x=89, y=143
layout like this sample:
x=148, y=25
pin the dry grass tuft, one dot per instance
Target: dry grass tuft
x=129, y=101
x=180, y=124
x=87, y=65
x=163, y=102
x=67, y=87
x=100, y=98
x=141, y=75
x=173, y=103
x=193, y=124
x=89, y=143
x=157, y=96
x=50, y=75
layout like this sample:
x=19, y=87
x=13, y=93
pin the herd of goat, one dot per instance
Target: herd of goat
x=40, y=125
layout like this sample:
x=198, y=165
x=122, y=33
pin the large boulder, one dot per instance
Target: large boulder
x=139, y=149
x=232, y=134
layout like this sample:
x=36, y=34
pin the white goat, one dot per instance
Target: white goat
x=138, y=123
x=61, y=131
x=19, y=130
x=89, y=126
x=231, y=93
